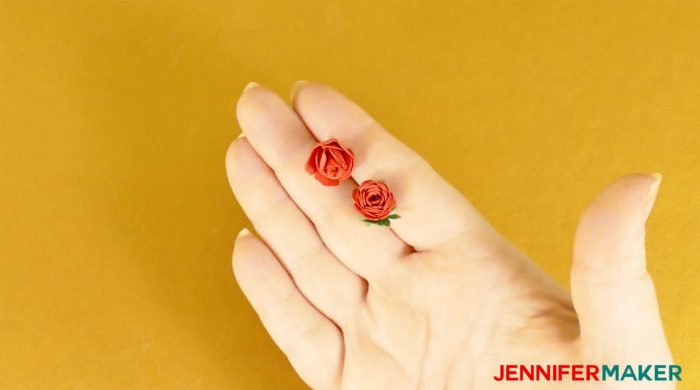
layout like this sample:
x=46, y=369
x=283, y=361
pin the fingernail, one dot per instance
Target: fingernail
x=653, y=190
x=654, y=187
x=250, y=85
x=242, y=135
x=296, y=87
x=243, y=233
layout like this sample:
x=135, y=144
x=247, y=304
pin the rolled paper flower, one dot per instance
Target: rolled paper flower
x=330, y=162
x=375, y=202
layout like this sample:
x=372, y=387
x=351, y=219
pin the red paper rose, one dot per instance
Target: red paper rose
x=330, y=162
x=375, y=201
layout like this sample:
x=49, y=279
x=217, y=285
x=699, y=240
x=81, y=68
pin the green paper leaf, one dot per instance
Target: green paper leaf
x=381, y=222
x=394, y=216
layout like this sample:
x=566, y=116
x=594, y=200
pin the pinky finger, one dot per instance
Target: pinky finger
x=312, y=343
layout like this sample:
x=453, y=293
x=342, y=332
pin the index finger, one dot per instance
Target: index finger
x=432, y=211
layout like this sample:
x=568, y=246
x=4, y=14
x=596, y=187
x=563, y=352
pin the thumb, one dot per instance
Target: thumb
x=611, y=289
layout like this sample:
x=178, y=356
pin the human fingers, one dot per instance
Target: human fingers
x=312, y=343
x=280, y=138
x=324, y=280
x=432, y=211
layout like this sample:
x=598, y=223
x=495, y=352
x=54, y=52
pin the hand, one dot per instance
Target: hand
x=440, y=300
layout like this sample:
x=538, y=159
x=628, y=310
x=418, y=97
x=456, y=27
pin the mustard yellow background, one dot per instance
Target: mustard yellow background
x=117, y=222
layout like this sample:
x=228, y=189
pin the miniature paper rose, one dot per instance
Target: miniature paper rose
x=375, y=202
x=330, y=162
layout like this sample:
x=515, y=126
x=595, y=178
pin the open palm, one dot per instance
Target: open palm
x=440, y=299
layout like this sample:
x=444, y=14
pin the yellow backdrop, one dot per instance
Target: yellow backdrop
x=117, y=220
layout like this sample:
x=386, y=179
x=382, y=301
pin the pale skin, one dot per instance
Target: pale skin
x=440, y=299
